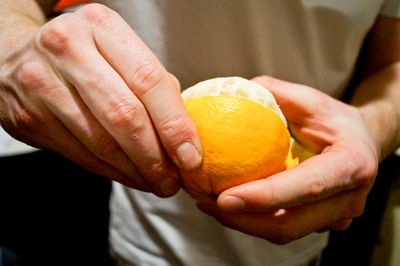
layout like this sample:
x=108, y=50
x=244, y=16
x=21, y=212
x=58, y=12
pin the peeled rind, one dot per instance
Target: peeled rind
x=235, y=87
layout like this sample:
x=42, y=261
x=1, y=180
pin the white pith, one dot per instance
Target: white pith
x=235, y=87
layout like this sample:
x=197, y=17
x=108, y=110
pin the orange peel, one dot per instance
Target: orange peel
x=243, y=132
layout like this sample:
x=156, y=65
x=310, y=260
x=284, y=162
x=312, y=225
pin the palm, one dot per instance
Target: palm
x=294, y=203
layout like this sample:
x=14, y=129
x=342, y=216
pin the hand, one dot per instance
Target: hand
x=88, y=88
x=325, y=191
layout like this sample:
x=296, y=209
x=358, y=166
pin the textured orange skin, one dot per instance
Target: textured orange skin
x=242, y=141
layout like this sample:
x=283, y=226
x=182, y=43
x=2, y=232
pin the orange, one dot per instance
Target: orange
x=242, y=140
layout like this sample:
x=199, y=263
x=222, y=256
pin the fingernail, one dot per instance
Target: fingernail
x=232, y=204
x=188, y=156
x=168, y=187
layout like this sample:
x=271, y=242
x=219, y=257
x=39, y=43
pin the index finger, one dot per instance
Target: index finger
x=155, y=88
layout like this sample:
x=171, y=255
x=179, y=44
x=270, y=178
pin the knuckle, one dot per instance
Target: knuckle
x=357, y=210
x=96, y=81
x=364, y=179
x=342, y=225
x=314, y=189
x=27, y=121
x=156, y=170
x=55, y=37
x=175, y=82
x=24, y=120
x=372, y=167
x=145, y=77
x=107, y=147
x=269, y=195
x=98, y=14
x=369, y=173
x=157, y=167
x=128, y=117
x=177, y=129
x=365, y=170
x=354, y=209
x=92, y=163
x=265, y=81
x=31, y=76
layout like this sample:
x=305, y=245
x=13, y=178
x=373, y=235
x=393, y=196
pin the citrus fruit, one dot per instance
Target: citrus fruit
x=243, y=133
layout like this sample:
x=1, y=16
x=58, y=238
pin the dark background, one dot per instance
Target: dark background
x=54, y=213
x=57, y=214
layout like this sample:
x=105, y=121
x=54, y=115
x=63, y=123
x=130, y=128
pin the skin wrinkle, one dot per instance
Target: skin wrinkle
x=385, y=136
x=28, y=52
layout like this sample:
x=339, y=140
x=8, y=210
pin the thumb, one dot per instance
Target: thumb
x=295, y=100
x=305, y=108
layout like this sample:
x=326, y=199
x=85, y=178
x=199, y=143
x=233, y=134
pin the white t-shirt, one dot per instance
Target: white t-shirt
x=306, y=41
x=245, y=38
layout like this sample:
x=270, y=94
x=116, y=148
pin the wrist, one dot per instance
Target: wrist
x=16, y=29
x=382, y=121
x=376, y=97
x=16, y=37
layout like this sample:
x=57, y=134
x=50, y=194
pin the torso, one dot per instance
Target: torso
x=305, y=41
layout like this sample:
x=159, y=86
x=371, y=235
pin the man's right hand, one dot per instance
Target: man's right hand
x=88, y=88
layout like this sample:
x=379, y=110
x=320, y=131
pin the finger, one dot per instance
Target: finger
x=155, y=88
x=71, y=148
x=114, y=105
x=337, y=226
x=341, y=225
x=316, y=178
x=79, y=154
x=175, y=82
x=295, y=100
x=75, y=116
x=285, y=225
x=40, y=81
x=303, y=107
x=130, y=126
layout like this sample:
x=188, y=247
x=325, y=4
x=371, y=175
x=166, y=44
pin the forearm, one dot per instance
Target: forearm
x=377, y=97
x=19, y=20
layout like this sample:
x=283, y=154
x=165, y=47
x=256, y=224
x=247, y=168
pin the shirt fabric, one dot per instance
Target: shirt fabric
x=307, y=12
x=305, y=41
x=312, y=42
